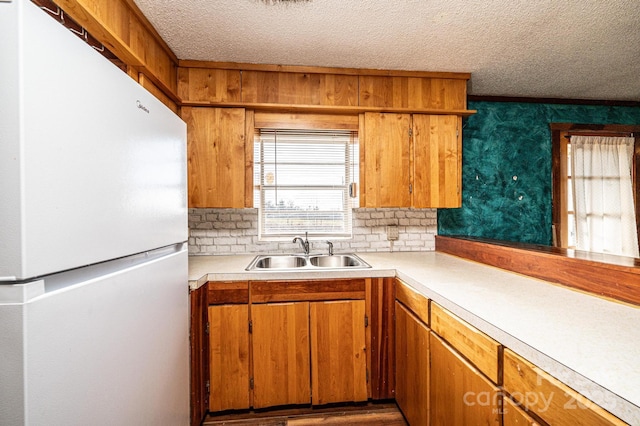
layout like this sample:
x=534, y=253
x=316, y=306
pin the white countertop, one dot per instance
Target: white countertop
x=589, y=343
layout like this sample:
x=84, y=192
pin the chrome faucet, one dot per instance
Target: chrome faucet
x=330, y=248
x=304, y=243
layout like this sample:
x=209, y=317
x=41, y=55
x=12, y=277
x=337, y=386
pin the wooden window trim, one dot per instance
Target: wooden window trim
x=558, y=172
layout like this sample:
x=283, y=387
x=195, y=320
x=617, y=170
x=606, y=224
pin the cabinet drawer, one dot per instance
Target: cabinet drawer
x=304, y=290
x=417, y=303
x=553, y=401
x=474, y=345
x=227, y=292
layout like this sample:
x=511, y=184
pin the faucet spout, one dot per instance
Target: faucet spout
x=304, y=243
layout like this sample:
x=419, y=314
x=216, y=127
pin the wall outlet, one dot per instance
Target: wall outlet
x=392, y=233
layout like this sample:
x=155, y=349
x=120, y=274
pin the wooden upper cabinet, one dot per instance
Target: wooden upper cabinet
x=437, y=165
x=216, y=156
x=209, y=85
x=299, y=88
x=412, y=92
x=385, y=164
x=410, y=160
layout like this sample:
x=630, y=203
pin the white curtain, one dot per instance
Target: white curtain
x=603, y=195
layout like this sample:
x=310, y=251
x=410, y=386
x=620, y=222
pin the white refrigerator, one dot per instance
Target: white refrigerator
x=93, y=230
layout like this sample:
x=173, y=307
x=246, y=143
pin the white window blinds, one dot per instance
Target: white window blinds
x=302, y=182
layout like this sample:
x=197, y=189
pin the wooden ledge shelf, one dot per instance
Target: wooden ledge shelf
x=326, y=109
x=607, y=276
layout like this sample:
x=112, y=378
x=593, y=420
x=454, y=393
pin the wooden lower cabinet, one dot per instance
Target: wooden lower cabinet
x=547, y=397
x=512, y=415
x=229, y=357
x=459, y=393
x=338, y=351
x=280, y=347
x=308, y=352
x=412, y=366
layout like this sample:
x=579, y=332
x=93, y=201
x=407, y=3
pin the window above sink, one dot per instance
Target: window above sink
x=305, y=180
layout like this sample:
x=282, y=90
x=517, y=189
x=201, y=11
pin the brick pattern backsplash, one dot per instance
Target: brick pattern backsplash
x=235, y=231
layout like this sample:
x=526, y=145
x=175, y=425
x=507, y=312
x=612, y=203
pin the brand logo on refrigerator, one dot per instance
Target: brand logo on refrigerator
x=142, y=107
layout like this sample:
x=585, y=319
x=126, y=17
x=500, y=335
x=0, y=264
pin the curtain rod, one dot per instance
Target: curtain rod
x=605, y=133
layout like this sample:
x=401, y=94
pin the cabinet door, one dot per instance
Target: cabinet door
x=437, y=166
x=515, y=416
x=229, y=357
x=385, y=171
x=459, y=394
x=216, y=156
x=280, y=343
x=199, y=353
x=412, y=367
x=338, y=359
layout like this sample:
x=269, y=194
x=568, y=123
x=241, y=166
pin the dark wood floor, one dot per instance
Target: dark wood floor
x=386, y=414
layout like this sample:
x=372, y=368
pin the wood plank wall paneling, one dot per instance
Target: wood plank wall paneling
x=122, y=28
x=209, y=85
x=612, y=277
x=321, y=90
x=299, y=88
x=303, y=121
x=412, y=92
x=157, y=92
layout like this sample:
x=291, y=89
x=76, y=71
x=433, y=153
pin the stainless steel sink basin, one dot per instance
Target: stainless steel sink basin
x=335, y=261
x=310, y=262
x=280, y=262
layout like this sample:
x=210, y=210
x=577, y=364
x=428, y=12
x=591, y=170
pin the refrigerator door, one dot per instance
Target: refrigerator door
x=92, y=166
x=102, y=346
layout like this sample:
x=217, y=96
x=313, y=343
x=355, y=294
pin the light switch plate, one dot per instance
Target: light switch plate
x=392, y=233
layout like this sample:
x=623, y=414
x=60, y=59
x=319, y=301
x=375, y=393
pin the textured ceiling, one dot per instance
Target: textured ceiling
x=578, y=49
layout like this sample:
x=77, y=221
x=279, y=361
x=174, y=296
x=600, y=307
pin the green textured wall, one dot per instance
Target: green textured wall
x=506, y=168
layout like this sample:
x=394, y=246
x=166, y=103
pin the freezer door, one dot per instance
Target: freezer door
x=110, y=350
x=93, y=167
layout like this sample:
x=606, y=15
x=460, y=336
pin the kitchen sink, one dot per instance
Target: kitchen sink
x=336, y=261
x=306, y=262
x=280, y=262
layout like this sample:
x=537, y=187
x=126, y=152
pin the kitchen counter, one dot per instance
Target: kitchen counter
x=589, y=343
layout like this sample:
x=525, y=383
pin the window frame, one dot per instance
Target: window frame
x=559, y=133
x=303, y=123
